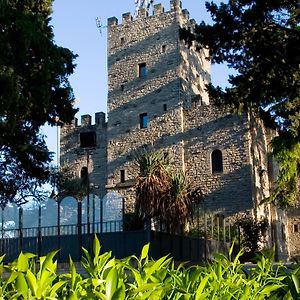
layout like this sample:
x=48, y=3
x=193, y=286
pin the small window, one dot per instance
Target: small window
x=165, y=107
x=142, y=70
x=143, y=120
x=122, y=176
x=163, y=48
x=88, y=139
x=122, y=40
x=296, y=227
x=122, y=87
x=217, y=161
x=83, y=172
x=84, y=175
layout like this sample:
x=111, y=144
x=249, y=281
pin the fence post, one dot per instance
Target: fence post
x=58, y=227
x=79, y=227
x=20, y=228
x=39, y=232
x=101, y=216
x=224, y=230
x=205, y=236
x=218, y=227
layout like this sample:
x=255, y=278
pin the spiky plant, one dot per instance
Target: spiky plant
x=153, y=183
x=163, y=194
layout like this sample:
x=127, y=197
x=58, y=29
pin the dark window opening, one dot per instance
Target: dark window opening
x=122, y=40
x=217, y=161
x=88, y=139
x=143, y=120
x=163, y=48
x=296, y=228
x=165, y=107
x=84, y=175
x=122, y=87
x=122, y=176
x=142, y=70
x=83, y=172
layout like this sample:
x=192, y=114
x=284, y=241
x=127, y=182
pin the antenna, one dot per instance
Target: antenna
x=142, y=4
x=99, y=25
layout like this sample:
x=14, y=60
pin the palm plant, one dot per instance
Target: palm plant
x=163, y=194
x=153, y=183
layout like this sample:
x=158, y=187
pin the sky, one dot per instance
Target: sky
x=74, y=26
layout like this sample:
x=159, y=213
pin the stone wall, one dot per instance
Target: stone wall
x=175, y=78
x=95, y=159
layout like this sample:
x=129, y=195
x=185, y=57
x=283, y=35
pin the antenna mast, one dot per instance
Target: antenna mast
x=142, y=4
x=99, y=25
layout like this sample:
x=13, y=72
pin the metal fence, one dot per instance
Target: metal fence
x=207, y=235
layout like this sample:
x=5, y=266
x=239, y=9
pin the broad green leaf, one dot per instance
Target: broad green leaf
x=296, y=283
x=201, y=288
x=31, y=282
x=96, y=247
x=22, y=263
x=111, y=283
x=145, y=251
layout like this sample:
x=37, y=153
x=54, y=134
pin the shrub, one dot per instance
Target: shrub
x=141, y=278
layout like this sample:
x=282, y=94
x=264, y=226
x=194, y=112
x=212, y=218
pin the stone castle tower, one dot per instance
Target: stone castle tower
x=157, y=99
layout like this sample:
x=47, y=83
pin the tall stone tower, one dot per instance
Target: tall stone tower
x=152, y=78
x=157, y=100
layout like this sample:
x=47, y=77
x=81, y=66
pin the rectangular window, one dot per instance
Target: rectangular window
x=296, y=228
x=122, y=40
x=142, y=70
x=143, y=120
x=165, y=107
x=122, y=87
x=163, y=48
x=88, y=139
x=122, y=176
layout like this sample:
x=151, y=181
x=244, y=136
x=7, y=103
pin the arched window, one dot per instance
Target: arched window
x=217, y=161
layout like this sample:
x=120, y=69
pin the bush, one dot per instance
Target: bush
x=143, y=278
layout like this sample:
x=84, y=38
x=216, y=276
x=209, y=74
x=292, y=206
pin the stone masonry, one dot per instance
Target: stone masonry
x=157, y=100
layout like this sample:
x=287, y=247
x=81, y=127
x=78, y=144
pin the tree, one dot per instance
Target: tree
x=260, y=40
x=163, y=194
x=34, y=90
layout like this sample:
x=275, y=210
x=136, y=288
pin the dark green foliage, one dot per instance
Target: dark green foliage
x=34, y=90
x=252, y=233
x=260, y=40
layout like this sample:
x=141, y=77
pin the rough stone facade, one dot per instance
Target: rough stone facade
x=157, y=99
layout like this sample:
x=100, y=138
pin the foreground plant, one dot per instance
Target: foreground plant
x=108, y=278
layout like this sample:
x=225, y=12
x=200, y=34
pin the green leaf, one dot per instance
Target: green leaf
x=22, y=263
x=145, y=252
x=96, y=247
x=200, y=289
x=31, y=282
x=111, y=283
x=296, y=283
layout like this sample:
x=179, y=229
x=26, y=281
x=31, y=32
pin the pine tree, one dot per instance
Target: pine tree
x=34, y=90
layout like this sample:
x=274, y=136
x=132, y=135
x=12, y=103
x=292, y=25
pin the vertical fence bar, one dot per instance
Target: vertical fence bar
x=101, y=216
x=79, y=226
x=224, y=230
x=20, y=229
x=212, y=226
x=205, y=236
x=39, y=231
x=218, y=227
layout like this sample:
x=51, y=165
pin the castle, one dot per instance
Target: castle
x=157, y=98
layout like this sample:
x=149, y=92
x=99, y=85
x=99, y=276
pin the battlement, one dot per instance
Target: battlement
x=175, y=6
x=86, y=120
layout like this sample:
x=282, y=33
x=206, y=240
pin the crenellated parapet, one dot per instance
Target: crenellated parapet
x=86, y=121
x=142, y=13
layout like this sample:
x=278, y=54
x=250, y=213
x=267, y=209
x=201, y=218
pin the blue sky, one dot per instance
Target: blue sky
x=75, y=28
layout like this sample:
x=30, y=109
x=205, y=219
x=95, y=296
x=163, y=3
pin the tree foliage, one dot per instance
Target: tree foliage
x=260, y=40
x=163, y=194
x=34, y=90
